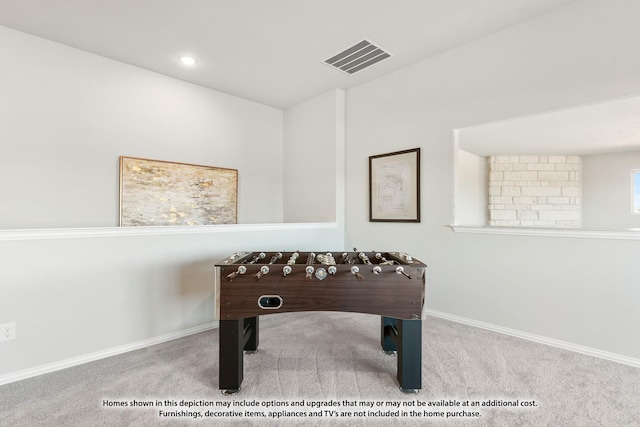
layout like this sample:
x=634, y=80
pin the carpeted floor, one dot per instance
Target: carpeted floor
x=331, y=364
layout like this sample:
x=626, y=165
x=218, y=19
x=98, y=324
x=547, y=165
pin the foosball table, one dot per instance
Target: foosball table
x=389, y=284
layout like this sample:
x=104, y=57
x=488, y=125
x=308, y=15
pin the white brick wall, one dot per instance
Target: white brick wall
x=534, y=191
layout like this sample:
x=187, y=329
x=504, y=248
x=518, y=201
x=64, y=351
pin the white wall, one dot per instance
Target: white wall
x=579, y=291
x=80, y=293
x=471, y=189
x=114, y=290
x=312, y=130
x=68, y=115
x=606, y=194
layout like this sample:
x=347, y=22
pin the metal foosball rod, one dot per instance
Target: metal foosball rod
x=383, y=260
x=347, y=259
x=275, y=258
x=400, y=270
x=292, y=259
x=287, y=269
x=241, y=270
x=326, y=259
x=406, y=256
x=364, y=258
x=309, y=268
x=234, y=256
x=265, y=269
x=356, y=271
x=256, y=258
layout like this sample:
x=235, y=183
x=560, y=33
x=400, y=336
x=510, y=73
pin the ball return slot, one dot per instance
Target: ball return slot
x=270, y=302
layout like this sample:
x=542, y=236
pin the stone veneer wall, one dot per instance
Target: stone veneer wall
x=534, y=191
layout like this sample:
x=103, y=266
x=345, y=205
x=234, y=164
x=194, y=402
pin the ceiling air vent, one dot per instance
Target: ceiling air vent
x=357, y=57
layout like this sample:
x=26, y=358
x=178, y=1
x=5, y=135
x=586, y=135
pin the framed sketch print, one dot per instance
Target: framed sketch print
x=155, y=192
x=394, y=186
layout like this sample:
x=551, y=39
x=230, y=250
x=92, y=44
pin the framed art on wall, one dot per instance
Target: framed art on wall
x=156, y=192
x=394, y=186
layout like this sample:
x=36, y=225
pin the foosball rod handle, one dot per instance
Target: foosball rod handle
x=241, y=270
x=286, y=270
x=263, y=270
x=400, y=270
x=309, y=270
x=356, y=271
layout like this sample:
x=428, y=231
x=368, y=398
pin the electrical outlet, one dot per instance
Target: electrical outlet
x=8, y=331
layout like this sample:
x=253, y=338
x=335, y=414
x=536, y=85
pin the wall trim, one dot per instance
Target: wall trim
x=74, y=361
x=632, y=234
x=83, y=233
x=589, y=351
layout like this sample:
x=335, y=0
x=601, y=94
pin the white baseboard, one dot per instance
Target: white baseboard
x=51, y=367
x=74, y=361
x=539, y=339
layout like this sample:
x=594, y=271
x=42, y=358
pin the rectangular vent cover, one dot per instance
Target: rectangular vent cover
x=357, y=57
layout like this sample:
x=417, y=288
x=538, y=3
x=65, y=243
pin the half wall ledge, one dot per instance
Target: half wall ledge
x=585, y=233
x=93, y=232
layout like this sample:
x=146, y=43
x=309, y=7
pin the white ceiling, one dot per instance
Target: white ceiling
x=604, y=127
x=268, y=51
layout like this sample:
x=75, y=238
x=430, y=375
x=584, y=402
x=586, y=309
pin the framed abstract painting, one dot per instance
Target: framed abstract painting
x=156, y=192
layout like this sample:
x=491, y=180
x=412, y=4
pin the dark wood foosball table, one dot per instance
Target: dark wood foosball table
x=389, y=284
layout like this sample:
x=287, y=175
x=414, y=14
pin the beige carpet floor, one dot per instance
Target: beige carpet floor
x=328, y=369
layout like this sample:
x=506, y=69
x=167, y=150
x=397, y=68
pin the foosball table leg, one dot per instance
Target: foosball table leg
x=405, y=338
x=231, y=357
x=235, y=337
x=251, y=327
x=410, y=355
x=386, y=339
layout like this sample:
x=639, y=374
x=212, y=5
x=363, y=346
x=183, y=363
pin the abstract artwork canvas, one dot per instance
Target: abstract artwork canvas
x=155, y=192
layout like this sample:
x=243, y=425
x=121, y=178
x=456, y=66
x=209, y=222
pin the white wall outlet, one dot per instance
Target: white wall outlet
x=8, y=331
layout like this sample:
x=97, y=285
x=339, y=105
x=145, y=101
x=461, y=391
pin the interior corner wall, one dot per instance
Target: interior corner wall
x=67, y=116
x=78, y=293
x=471, y=189
x=311, y=154
x=606, y=192
x=579, y=291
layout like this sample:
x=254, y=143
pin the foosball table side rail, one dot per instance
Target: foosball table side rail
x=248, y=287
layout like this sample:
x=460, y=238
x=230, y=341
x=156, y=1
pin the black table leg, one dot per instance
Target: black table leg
x=235, y=337
x=405, y=338
x=410, y=355
x=230, y=358
x=386, y=339
x=251, y=326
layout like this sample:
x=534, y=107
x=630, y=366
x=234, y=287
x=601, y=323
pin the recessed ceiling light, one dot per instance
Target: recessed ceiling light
x=188, y=60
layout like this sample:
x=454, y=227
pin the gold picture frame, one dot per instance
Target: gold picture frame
x=162, y=193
